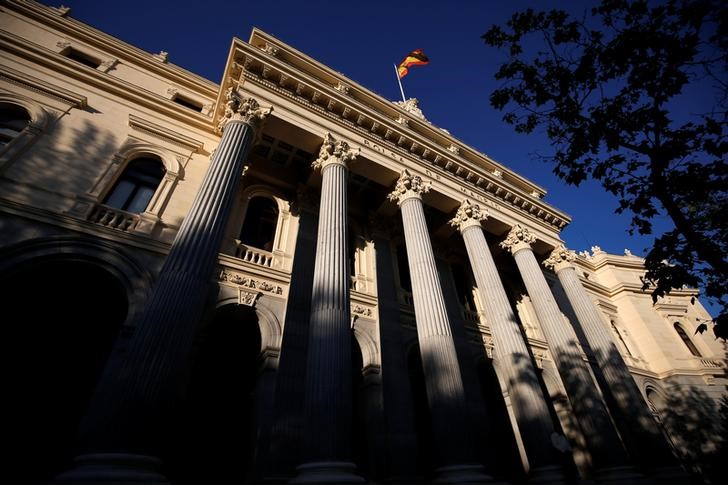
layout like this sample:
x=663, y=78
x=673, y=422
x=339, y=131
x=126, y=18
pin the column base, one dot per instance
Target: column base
x=547, y=474
x=327, y=472
x=457, y=474
x=116, y=468
x=620, y=474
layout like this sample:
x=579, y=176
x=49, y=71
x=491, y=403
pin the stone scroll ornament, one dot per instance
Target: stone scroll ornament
x=468, y=215
x=409, y=186
x=242, y=109
x=333, y=151
x=560, y=258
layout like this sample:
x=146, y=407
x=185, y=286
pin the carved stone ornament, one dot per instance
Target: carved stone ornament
x=468, y=215
x=518, y=238
x=361, y=310
x=333, y=151
x=560, y=258
x=246, y=110
x=409, y=186
x=247, y=298
x=411, y=106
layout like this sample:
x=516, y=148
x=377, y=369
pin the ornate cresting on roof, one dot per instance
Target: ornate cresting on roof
x=412, y=107
x=393, y=126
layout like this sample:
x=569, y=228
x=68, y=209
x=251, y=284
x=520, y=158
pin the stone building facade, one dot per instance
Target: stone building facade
x=288, y=278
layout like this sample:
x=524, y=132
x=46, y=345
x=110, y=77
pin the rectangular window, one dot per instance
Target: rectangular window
x=188, y=103
x=83, y=58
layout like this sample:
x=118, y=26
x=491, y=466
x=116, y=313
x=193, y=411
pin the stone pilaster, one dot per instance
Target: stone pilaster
x=609, y=457
x=631, y=412
x=131, y=415
x=443, y=381
x=510, y=349
x=327, y=402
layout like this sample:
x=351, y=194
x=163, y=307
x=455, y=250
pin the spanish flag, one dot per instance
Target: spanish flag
x=414, y=58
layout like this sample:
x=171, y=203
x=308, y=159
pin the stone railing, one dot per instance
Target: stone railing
x=715, y=364
x=114, y=218
x=253, y=255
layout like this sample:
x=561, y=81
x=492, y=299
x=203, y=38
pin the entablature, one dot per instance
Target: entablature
x=384, y=127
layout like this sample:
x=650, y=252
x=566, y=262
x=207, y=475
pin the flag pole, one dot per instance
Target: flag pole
x=396, y=72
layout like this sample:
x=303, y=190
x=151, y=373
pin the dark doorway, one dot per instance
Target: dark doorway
x=60, y=318
x=503, y=457
x=218, y=442
x=423, y=424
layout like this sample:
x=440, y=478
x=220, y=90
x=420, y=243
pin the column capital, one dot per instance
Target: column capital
x=518, y=238
x=468, y=215
x=333, y=151
x=242, y=109
x=409, y=186
x=560, y=258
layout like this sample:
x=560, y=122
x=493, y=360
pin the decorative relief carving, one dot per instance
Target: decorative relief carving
x=402, y=120
x=270, y=49
x=248, y=282
x=454, y=149
x=498, y=173
x=409, y=186
x=62, y=44
x=342, y=88
x=560, y=258
x=412, y=107
x=245, y=110
x=247, y=298
x=468, y=215
x=518, y=238
x=361, y=310
x=333, y=151
x=107, y=65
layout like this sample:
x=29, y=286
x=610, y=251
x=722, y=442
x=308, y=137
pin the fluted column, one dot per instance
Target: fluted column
x=132, y=414
x=443, y=381
x=327, y=401
x=629, y=407
x=510, y=349
x=609, y=457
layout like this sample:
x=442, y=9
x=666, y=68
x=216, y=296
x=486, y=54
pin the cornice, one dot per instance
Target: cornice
x=51, y=17
x=247, y=63
x=145, y=126
x=43, y=87
x=104, y=82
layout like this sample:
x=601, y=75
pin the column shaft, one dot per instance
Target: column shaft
x=442, y=374
x=604, y=444
x=133, y=412
x=328, y=378
x=631, y=409
x=509, y=347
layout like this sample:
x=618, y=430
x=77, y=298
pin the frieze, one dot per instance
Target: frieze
x=361, y=311
x=252, y=283
x=526, y=202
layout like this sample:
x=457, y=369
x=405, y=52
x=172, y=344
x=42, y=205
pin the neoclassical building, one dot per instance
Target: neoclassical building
x=286, y=278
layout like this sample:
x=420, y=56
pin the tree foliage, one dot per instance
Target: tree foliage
x=609, y=88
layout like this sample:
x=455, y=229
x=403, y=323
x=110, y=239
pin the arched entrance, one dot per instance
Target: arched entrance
x=217, y=444
x=60, y=317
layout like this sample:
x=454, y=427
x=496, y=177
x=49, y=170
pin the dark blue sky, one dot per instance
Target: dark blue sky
x=363, y=40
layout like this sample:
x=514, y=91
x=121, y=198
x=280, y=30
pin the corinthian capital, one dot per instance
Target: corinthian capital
x=333, y=151
x=518, y=238
x=409, y=186
x=246, y=110
x=560, y=258
x=468, y=215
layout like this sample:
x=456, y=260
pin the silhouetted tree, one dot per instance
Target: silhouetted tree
x=608, y=87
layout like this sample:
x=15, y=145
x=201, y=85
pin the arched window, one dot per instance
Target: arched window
x=136, y=186
x=686, y=340
x=13, y=120
x=261, y=219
